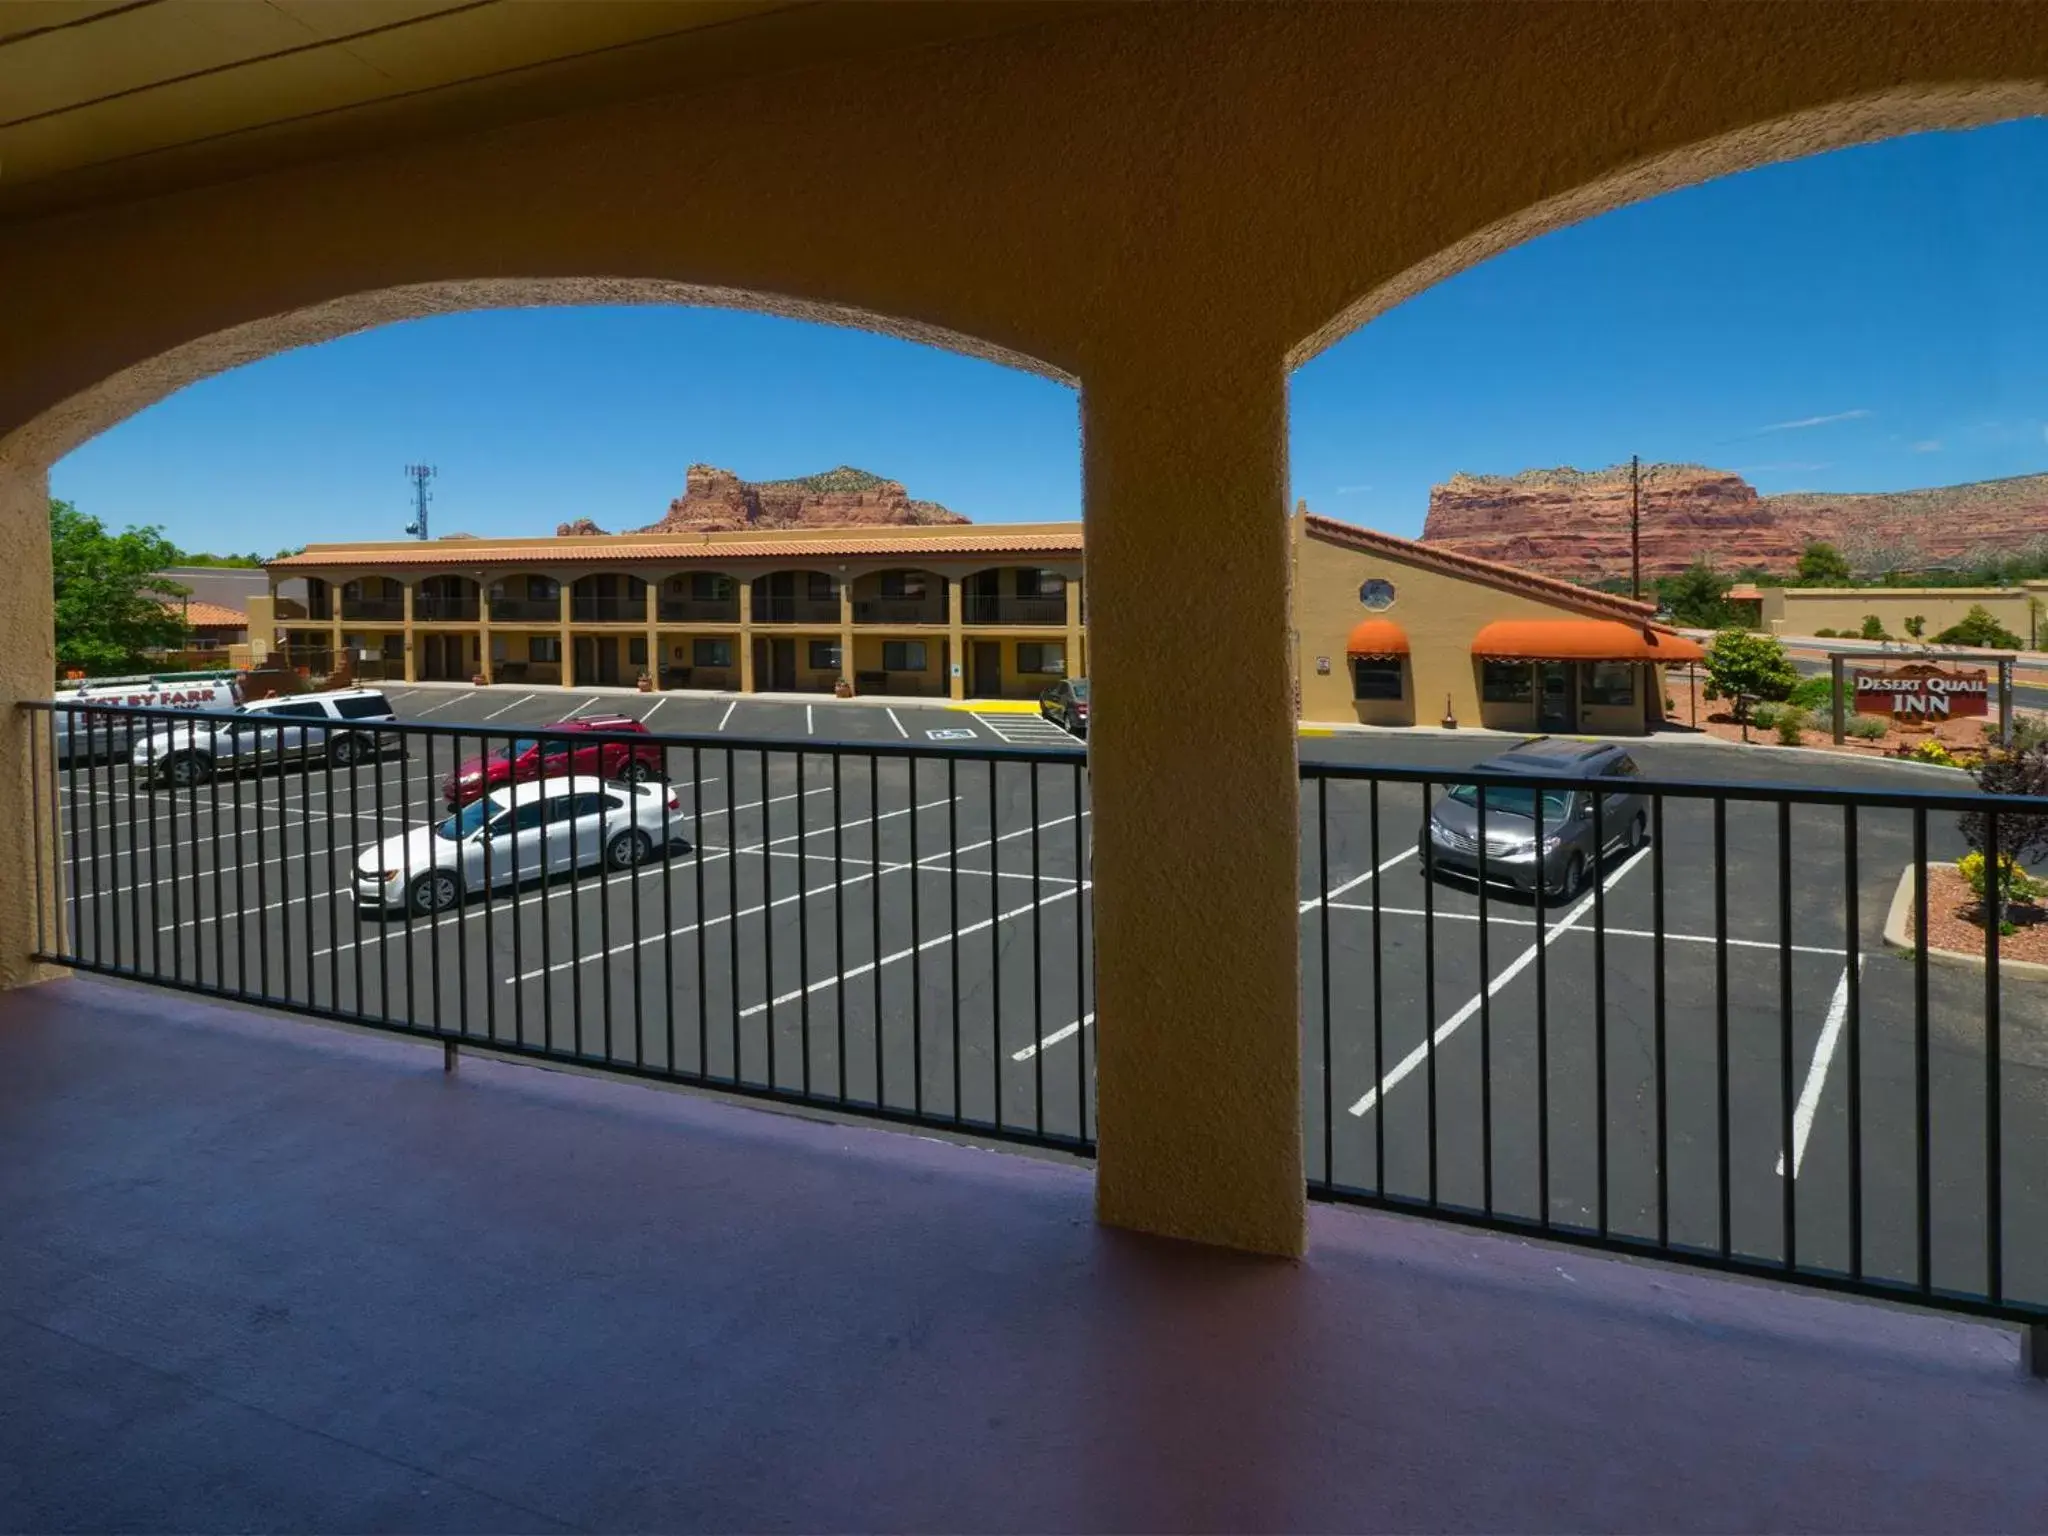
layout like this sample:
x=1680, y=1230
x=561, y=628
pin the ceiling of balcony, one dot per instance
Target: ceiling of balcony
x=114, y=98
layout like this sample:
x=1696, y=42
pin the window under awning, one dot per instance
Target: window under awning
x=1377, y=640
x=1581, y=640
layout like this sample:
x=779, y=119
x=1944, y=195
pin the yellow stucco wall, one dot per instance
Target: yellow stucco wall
x=1802, y=610
x=1169, y=205
x=1441, y=614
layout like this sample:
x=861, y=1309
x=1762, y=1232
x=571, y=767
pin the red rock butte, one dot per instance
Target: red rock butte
x=1575, y=523
x=718, y=501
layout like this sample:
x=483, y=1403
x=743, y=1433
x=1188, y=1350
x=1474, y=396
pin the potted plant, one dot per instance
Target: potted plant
x=478, y=679
x=843, y=689
x=645, y=683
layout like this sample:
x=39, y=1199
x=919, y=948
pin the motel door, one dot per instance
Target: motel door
x=988, y=669
x=1557, y=696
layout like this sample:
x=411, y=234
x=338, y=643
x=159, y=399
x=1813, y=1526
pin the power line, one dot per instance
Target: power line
x=419, y=475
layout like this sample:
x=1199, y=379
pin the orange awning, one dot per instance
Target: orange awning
x=1376, y=639
x=1581, y=640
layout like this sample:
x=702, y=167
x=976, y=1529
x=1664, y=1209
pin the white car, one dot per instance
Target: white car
x=338, y=727
x=515, y=833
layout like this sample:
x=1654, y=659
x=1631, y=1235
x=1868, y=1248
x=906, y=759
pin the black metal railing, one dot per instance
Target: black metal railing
x=525, y=610
x=608, y=608
x=700, y=610
x=382, y=608
x=1678, y=1031
x=433, y=608
x=899, y=610
x=994, y=608
x=1663, y=1020
x=887, y=931
x=768, y=609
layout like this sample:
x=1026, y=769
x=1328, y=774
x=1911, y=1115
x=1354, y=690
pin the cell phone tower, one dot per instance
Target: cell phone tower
x=419, y=475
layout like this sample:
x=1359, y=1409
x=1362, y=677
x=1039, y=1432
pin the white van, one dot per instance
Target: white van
x=91, y=736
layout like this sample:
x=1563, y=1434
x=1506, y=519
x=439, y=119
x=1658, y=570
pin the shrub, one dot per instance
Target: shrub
x=1763, y=716
x=1932, y=751
x=2028, y=731
x=1916, y=625
x=1873, y=628
x=1865, y=727
x=1826, y=633
x=1815, y=693
x=1791, y=724
x=2016, y=884
x=1741, y=664
x=2019, y=771
x=1978, y=627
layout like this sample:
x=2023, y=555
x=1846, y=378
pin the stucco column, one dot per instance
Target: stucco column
x=746, y=640
x=845, y=626
x=1196, y=835
x=28, y=668
x=485, y=662
x=1076, y=666
x=565, y=612
x=956, y=637
x=412, y=674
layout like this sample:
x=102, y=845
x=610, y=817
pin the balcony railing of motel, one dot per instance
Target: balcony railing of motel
x=981, y=608
x=899, y=610
x=699, y=610
x=608, y=608
x=796, y=610
x=430, y=608
x=384, y=609
x=522, y=610
x=1699, y=1049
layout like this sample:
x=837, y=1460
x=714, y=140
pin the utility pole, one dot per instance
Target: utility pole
x=1635, y=526
x=419, y=475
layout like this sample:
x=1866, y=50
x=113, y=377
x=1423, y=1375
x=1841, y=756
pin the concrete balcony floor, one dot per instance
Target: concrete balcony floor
x=255, y=1273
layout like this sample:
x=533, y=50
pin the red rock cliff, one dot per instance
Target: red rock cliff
x=1575, y=524
x=718, y=501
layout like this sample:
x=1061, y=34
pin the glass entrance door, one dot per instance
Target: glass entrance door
x=1557, y=701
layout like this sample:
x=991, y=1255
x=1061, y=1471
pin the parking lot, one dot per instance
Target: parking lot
x=861, y=929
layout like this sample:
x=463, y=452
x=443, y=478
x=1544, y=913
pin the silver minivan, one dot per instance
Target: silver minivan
x=1574, y=839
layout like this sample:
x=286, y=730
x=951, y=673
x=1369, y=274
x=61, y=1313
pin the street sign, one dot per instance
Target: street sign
x=1919, y=690
x=951, y=735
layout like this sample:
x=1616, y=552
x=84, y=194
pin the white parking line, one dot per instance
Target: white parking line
x=1356, y=881
x=522, y=699
x=810, y=722
x=1817, y=1073
x=735, y=704
x=891, y=713
x=935, y=942
x=1023, y=730
x=1065, y=1032
x=586, y=704
x=1611, y=931
x=1514, y=968
x=650, y=713
x=453, y=698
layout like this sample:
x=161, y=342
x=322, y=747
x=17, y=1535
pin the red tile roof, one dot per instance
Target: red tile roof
x=207, y=615
x=1472, y=568
x=684, y=550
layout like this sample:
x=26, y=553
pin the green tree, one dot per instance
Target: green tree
x=110, y=595
x=1873, y=628
x=1822, y=565
x=1916, y=625
x=1979, y=627
x=1697, y=596
x=1742, y=668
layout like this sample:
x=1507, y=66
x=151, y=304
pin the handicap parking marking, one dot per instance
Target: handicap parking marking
x=952, y=733
x=1020, y=730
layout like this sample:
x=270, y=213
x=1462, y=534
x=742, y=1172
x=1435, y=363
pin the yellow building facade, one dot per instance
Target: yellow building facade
x=937, y=612
x=1388, y=631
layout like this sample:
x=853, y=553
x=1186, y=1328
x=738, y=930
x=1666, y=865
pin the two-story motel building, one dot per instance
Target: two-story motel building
x=1387, y=631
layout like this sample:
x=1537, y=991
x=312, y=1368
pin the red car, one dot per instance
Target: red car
x=527, y=759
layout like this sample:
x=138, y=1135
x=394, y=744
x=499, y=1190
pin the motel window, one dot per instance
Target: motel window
x=1610, y=682
x=1040, y=583
x=542, y=589
x=543, y=648
x=818, y=587
x=908, y=585
x=1048, y=659
x=636, y=651
x=902, y=655
x=824, y=655
x=711, y=653
x=1506, y=682
x=1375, y=679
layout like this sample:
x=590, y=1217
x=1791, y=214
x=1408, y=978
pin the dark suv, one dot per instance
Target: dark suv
x=1572, y=844
x=527, y=758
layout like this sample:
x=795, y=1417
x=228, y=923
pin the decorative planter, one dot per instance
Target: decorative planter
x=478, y=680
x=842, y=689
x=645, y=684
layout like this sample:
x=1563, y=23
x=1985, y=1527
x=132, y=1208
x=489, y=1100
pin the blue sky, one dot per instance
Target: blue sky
x=1872, y=319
